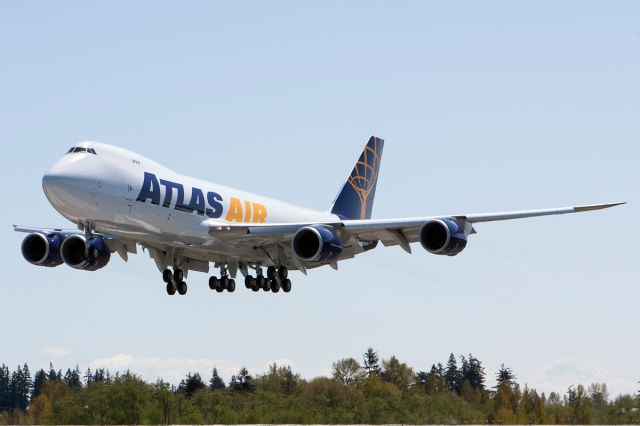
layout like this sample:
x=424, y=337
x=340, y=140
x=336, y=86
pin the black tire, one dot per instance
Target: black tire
x=167, y=275
x=283, y=272
x=247, y=281
x=271, y=272
x=224, y=283
x=275, y=286
x=254, y=285
x=286, y=285
x=182, y=288
x=266, y=285
x=171, y=289
x=213, y=283
x=231, y=285
x=178, y=275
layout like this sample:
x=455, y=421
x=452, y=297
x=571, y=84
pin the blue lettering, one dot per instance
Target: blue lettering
x=196, y=204
x=215, y=201
x=168, y=195
x=150, y=189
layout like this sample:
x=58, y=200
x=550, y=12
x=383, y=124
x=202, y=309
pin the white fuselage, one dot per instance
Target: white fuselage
x=130, y=196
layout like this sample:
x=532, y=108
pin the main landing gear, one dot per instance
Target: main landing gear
x=175, y=281
x=223, y=283
x=275, y=280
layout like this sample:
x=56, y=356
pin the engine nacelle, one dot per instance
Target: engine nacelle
x=316, y=243
x=42, y=249
x=75, y=254
x=443, y=237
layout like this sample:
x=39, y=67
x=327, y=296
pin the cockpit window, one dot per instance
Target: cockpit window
x=76, y=149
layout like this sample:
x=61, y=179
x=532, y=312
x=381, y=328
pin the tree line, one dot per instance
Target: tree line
x=368, y=390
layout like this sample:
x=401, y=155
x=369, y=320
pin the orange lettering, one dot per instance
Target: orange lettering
x=247, y=211
x=259, y=213
x=235, y=210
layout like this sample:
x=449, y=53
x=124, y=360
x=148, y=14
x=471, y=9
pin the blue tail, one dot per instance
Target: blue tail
x=355, y=200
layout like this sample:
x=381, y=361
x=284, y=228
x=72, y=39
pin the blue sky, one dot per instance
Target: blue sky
x=483, y=106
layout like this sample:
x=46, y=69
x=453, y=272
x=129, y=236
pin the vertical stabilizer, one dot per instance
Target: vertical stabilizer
x=355, y=200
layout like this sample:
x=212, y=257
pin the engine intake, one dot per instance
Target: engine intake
x=42, y=249
x=443, y=237
x=316, y=244
x=75, y=254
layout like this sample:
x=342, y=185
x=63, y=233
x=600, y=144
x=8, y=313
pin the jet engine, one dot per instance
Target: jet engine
x=316, y=243
x=443, y=237
x=78, y=254
x=42, y=249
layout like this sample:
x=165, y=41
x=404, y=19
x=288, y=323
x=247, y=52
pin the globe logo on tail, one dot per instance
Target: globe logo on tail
x=365, y=174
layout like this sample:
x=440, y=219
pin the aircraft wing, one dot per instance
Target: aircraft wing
x=404, y=231
x=401, y=231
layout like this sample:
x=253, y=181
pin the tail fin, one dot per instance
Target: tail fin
x=355, y=200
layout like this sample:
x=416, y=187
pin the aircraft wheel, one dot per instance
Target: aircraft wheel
x=247, y=281
x=213, y=283
x=182, y=288
x=283, y=272
x=266, y=285
x=271, y=272
x=286, y=285
x=275, y=286
x=231, y=285
x=255, y=286
x=171, y=289
x=167, y=275
x=178, y=275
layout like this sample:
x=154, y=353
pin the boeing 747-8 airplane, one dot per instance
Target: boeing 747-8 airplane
x=119, y=200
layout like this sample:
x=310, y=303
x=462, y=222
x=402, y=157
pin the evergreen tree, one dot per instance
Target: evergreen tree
x=99, y=375
x=72, y=378
x=505, y=376
x=88, y=377
x=5, y=389
x=216, y=382
x=20, y=388
x=371, y=362
x=233, y=383
x=473, y=372
x=191, y=384
x=244, y=380
x=53, y=375
x=452, y=375
x=38, y=381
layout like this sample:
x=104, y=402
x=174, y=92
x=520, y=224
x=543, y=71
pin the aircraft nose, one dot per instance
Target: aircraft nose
x=55, y=182
x=68, y=182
